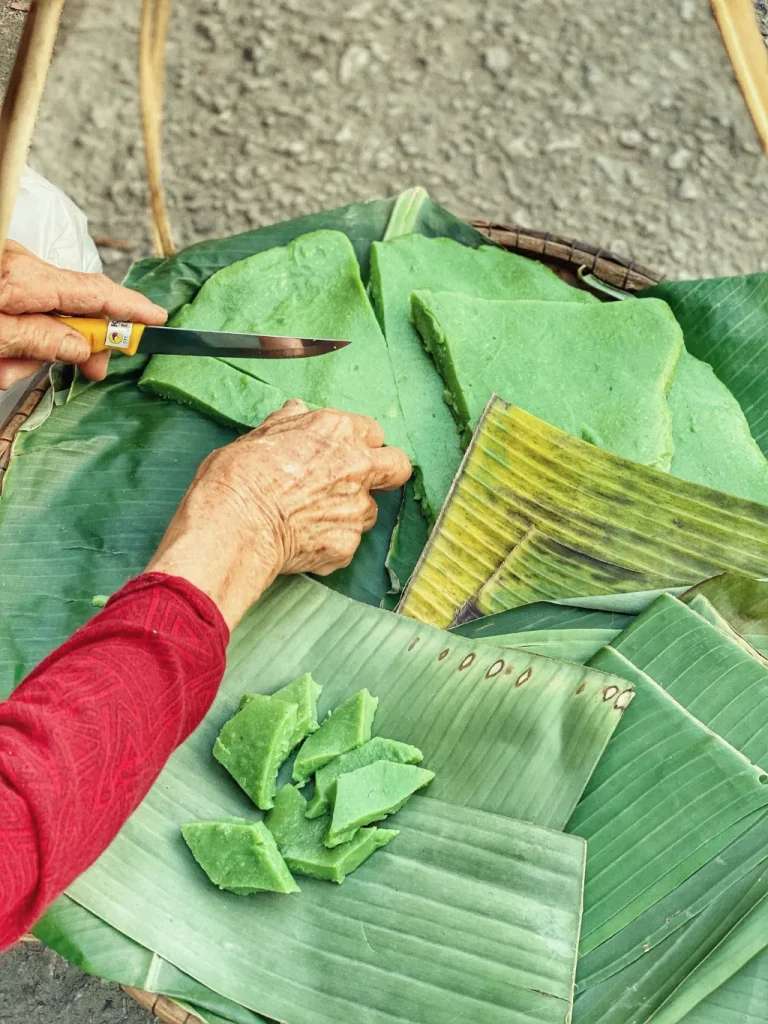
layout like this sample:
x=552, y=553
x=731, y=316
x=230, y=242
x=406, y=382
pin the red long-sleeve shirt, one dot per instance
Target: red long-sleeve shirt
x=86, y=734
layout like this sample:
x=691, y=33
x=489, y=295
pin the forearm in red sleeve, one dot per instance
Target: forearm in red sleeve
x=83, y=738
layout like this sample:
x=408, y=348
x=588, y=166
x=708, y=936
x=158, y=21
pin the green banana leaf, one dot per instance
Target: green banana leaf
x=418, y=957
x=741, y=600
x=407, y=541
x=709, y=673
x=542, y=616
x=536, y=514
x=489, y=742
x=86, y=501
x=554, y=631
x=630, y=979
x=96, y=948
x=743, y=999
x=667, y=797
x=113, y=448
x=724, y=688
x=723, y=321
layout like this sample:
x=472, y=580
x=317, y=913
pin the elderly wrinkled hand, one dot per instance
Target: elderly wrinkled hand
x=292, y=496
x=30, y=287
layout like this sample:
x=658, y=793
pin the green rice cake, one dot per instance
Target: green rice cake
x=239, y=856
x=349, y=726
x=309, y=288
x=598, y=371
x=301, y=841
x=303, y=692
x=377, y=749
x=254, y=743
x=414, y=262
x=370, y=794
x=712, y=439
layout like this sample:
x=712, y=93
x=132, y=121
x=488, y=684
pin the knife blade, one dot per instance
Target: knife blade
x=128, y=338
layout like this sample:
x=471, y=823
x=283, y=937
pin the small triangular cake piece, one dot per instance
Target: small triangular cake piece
x=303, y=692
x=377, y=749
x=347, y=727
x=599, y=371
x=301, y=841
x=370, y=794
x=254, y=743
x=239, y=856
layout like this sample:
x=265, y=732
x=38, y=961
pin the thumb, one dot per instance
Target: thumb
x=40, y=337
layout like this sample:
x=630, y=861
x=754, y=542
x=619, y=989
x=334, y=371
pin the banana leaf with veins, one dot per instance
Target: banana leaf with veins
x=536, y=514
x=721, y=686
x=484, y=719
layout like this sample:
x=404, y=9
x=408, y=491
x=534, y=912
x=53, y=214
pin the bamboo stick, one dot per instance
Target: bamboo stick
x=749, y=57
x=22, y=100
x=154, y=25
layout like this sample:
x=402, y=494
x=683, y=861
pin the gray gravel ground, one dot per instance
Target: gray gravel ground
x=618, y=123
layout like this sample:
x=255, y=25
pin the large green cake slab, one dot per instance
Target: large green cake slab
x=414, y=262
x=601, y=372
x=309, y=288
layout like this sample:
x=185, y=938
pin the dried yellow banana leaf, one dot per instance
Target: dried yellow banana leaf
x=537, y=515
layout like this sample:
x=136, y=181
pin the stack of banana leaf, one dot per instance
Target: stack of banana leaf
x=579, y=641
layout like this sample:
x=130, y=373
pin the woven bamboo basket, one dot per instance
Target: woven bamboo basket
x=569, y=258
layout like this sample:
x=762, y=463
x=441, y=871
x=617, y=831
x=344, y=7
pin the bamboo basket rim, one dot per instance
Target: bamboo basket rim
x=564, y=254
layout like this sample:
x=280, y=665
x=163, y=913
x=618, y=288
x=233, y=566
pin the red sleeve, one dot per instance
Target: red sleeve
x=83, y=738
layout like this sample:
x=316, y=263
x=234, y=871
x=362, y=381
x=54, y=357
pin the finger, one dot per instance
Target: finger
x=14, y=370
x=366, y=429
x=293, y=407
x=96, y=367
x=371, y=515
x=344, y=550
x=92, y=294
x=390, y=468
x=30, y=285
x=43, y=338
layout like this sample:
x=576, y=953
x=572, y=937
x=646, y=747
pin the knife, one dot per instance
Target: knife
x=126, y=338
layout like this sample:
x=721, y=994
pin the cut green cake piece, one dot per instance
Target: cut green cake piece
x=347, y=727
x=371, y=793
x=712, y=440
x=377, y=749
x=413, y=263
x=239, y=856
x=309, y=288
x=254, y=743
x=303, y=692
x=599, y=371
x=301, y=841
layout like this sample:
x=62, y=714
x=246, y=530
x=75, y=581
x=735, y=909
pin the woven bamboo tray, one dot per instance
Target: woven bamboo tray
x=568, y=257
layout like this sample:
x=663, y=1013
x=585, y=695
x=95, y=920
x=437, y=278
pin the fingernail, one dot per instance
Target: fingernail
x=159, y=310
x=73, y=349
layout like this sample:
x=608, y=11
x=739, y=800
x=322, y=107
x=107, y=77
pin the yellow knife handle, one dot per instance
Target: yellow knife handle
x=107, y=335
